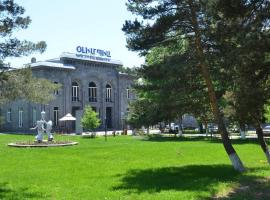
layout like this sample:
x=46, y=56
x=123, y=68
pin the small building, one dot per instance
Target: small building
x=85, y=80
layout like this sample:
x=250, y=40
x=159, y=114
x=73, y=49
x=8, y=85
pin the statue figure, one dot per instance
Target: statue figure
x=40, y=130
x=43, y=113
x=49, y=129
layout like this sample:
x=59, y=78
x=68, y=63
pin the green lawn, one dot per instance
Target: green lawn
x=131, y=168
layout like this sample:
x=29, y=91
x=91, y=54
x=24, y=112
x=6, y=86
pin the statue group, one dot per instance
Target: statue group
x=43, y=127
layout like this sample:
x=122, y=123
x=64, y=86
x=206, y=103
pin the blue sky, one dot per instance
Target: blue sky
x=66, y=24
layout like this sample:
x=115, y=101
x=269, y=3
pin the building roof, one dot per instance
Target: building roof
x=52, y=64
x=58, y=63
x=90, y=58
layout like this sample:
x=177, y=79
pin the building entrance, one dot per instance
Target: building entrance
x=73, y=112
x=109, y=117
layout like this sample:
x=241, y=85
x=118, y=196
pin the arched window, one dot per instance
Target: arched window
x=108, y=93
x=75, y=91
x=92, y=92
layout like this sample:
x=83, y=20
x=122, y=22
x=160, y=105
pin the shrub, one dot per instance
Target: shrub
x=90, y=120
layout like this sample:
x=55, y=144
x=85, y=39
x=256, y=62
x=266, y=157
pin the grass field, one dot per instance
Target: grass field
x=131, y=168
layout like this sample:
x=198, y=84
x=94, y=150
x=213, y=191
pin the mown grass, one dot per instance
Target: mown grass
x=131, y=168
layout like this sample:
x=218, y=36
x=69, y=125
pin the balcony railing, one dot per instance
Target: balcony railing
x=92, y=99
x=75, y=98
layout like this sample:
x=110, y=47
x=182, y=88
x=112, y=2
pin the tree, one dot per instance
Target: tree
x=267, y=111
x=19, y=84
x=244, y=31
x=127, y=70
x=90, y=120
x=173, y=21
x=176, y=90
x=12, y=19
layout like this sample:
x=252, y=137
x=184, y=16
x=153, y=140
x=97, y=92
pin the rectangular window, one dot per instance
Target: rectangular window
x=92, y=94
x=55, y=116
x=20, y=117
x=34, y=116
x=108, y=94
x=9, y=115
x=56, y=92
x=94, y=109
x=75, y=93
x=128, y=93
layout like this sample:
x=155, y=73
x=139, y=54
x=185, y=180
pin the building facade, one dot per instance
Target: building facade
x=85, y=80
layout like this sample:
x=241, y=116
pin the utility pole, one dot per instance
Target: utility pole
x=105, y=129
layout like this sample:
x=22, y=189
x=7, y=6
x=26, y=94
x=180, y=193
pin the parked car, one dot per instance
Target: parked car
x=266, y=130
x=212, y=128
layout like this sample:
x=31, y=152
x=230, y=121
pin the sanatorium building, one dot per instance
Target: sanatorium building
x=86, y=78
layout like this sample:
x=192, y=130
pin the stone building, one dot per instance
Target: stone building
x=85, y=80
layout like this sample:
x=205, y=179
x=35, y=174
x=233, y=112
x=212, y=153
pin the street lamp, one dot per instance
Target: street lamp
x=105, y=128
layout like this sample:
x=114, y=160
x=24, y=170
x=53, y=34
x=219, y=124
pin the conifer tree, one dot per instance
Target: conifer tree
x=19, y=84
x=167, y=22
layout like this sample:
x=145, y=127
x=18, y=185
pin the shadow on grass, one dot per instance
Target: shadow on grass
x=161, y=138
x=258, y=189
x=22, y=193
x=195, y=178
x=239, y=141
x=191, y=177
x=166, y=138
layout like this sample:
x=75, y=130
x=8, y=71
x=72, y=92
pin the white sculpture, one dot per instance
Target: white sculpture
x=40, y=128
x=49, y=129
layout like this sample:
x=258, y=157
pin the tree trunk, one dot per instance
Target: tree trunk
x=235, y=160
x=262, y=142
x=206, y=128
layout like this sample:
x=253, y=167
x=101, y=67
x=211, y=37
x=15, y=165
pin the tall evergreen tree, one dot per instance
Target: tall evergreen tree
x=171, y=21
x=19, y=84
x=12, y=19
x=244, y=31
x=183, y=92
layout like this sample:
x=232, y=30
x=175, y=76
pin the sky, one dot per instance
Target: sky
x=66, y=24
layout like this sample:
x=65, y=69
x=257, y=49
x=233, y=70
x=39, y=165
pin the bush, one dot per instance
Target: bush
x=90, y=120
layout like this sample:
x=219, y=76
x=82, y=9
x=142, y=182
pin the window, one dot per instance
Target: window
x=34, y=116
x=56, y=92
x=92, y=92
x=94, y=109
x=128, y=93
x=55, y=116
x=20, y=117
x=75, y=91
x=108, y=93
x=9, y=115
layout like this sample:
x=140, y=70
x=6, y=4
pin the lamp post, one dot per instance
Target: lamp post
x=105, y=128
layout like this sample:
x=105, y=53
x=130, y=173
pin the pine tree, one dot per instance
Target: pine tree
x=12, y=19
x=19, y=84
x=244, y=31
x=171, y=21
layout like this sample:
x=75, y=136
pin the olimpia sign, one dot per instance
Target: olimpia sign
x=93, y=54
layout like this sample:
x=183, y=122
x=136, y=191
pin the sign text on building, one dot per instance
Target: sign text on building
x=92, y=51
